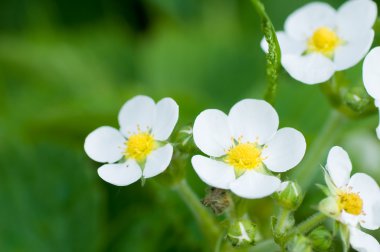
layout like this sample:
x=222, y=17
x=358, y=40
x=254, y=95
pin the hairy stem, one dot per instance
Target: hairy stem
x=309, y=224
x=265, y=246
x=205, y=220
x=329, y=133
x=274, y=52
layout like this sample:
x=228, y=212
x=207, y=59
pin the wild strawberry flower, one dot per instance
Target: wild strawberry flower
x=319, y=40
x=245, y=147
x=371, y=77
x=353, y=201
x=139, y=149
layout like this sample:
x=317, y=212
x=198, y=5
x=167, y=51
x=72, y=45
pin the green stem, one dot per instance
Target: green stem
x=309, y=224
x=282, y=221
x=274, y=51
x=265, y=246
x=330, y=132
x=205, y=220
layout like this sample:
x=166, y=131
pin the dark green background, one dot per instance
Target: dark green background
x=67, y=66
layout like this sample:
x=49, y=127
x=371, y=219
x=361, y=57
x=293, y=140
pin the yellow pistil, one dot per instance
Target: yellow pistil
x=244, y=156
x=350, y=202
x=325, y=41
x=139, y=146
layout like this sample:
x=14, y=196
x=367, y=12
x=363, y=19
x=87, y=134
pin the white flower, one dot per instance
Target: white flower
x=353, y=201
x=371, y=77
x=243, y=145
x=139, y=149
x=319, y=40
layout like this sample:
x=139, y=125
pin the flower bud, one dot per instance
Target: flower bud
x=289, y=196
x=357, y=99
x=321, y=238
x=242, y=233
x=300, y=243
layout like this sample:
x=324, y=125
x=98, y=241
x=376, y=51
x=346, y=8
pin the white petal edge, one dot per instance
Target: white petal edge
x=363, y=242
x=120, y=174
x=211, y=133
x=377, y=103
x=369, y=192
x=339, y=166
x=349, y=54
x=105, y=145
x=371, y=73
x=287, y=44
x=301, y=24
x=309, y=69
x=137, y=114
x=166, y=118
x=253, y=120
x=355, y=17
x=212, y=172
x=158, y=161
x=255, y=185
x=285, y=150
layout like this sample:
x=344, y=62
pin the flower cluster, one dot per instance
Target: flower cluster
x=244, y=153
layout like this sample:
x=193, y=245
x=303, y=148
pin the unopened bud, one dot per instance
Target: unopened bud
x=357, y=99
x=300, y=243
x=289, y=196
x=321, y=239
x=242, y=233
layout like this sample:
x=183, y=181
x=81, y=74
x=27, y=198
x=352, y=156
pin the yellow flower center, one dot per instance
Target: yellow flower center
x=350, y=202
x=139, y=146
x=325, y=41
x=244, y=156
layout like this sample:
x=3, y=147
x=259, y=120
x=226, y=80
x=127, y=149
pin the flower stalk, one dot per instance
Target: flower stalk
x=274, y=52
x=205, y=220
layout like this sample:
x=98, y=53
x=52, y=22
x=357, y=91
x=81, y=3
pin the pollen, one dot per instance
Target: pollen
x=139, y=146
x=325, y=41
x=350, y=202
x=244, y=156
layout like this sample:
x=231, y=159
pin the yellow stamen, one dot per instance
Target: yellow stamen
x=325, y=41
x=350, y=202
x=139, y=146
x=244, y=156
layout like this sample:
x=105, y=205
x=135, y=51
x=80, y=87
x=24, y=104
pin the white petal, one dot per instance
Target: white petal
x=158, y=161
x=339, y=166
x=253, y=120
x=369, y=192
x=285, y=150
x=120, y=174
x=254, y=185
x=363, y=242
x=287, y=44
x=166, y=119
x=310, y=69
x=355, y=17
x=105, y=145
x=303, y=22
x=212, y=172
x=353, y=51
x=212, y=133
x=371, y=73
x=377, y=103
x=137, y=114
x=349, y=219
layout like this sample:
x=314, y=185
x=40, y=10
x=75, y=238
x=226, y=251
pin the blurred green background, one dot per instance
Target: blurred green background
x=66, y=68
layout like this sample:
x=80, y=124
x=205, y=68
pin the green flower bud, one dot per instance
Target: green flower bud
x=242, y=233
x=357, y=99
x=321, y=239
x=289, y=196
x=300, y=243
